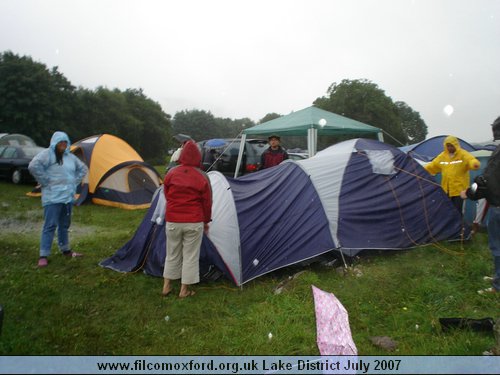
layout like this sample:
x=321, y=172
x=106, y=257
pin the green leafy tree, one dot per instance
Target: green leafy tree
x=411, y=122
x=196, y=123
x=129, y=115
x=229, y=128
x=155, y=125
x=364, y=101
x=110, y=115
x=34, y=100
x=269, y=117
x=242, y=124
x=88, y=115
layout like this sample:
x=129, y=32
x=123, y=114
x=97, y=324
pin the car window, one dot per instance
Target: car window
x=257, y=147
x=9, y=153
x=234, y=148
x=30, y=152
x=228, y=156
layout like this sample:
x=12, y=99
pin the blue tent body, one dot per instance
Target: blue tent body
x=428, y=149
x=146, y=249
x=359, y=194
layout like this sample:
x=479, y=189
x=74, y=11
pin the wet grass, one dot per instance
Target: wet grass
x=75, y=307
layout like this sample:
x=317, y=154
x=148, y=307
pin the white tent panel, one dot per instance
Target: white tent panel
x=326, y=170
x=224, y=229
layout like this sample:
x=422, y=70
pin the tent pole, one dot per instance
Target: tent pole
x=309, y=146
x=240, y=154
x=312, y=135
x=343, y=258
x=315, y=140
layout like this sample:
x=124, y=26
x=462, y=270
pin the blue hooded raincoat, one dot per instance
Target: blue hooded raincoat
x=58, y=181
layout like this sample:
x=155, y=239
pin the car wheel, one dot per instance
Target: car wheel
x=16, y=176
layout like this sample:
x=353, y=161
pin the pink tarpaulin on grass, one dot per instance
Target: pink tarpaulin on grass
x=332, y=325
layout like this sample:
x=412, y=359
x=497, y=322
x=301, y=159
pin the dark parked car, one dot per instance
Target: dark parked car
x=226, y=155
x=14, y=162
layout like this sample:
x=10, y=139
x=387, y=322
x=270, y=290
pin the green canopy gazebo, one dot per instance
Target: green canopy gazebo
x=310, y=122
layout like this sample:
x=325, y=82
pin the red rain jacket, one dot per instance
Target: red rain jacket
x=187, y=189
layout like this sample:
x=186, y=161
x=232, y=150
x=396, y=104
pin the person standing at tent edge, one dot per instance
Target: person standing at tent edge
x=58, y=172
x=188, y=211
x=274, y=155
x=174, y=159
x=454, y=164
x=487, y=186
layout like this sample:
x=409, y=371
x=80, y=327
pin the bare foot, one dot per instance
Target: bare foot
x=187, y=294
x=167, y=288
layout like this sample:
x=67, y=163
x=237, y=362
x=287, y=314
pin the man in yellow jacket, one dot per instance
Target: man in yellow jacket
x=454, y=164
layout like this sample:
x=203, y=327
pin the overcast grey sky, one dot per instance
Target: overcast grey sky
x=246, y=58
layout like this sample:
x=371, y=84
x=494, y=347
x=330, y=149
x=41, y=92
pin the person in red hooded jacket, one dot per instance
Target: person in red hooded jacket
x=188, y=211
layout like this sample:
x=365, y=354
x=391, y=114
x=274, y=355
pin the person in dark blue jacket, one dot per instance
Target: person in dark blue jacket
x=487, y=186
x=58, y=172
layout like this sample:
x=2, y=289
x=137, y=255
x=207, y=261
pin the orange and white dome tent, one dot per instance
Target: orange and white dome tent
x=118, y=176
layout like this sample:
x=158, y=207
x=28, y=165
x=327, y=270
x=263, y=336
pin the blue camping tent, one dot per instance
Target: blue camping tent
x=359, y=194
x=428, y=149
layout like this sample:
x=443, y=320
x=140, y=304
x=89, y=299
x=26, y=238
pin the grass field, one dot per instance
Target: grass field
x=75, y=307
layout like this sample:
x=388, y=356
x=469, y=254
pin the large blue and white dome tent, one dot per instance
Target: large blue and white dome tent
x=356, y=195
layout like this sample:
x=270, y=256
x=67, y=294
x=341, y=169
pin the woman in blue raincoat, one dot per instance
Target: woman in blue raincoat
x=58, y=172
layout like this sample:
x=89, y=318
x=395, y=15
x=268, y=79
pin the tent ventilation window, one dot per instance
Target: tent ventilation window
x=382, y=161
x=138, y=180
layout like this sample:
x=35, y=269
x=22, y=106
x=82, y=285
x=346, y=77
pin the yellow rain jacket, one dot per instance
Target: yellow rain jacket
x=454, y=170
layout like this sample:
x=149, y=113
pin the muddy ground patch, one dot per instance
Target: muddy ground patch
x=33, y=226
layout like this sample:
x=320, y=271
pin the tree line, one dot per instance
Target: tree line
x=36, y=101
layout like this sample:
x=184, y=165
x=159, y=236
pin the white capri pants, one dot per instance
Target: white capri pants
x=183, y=252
